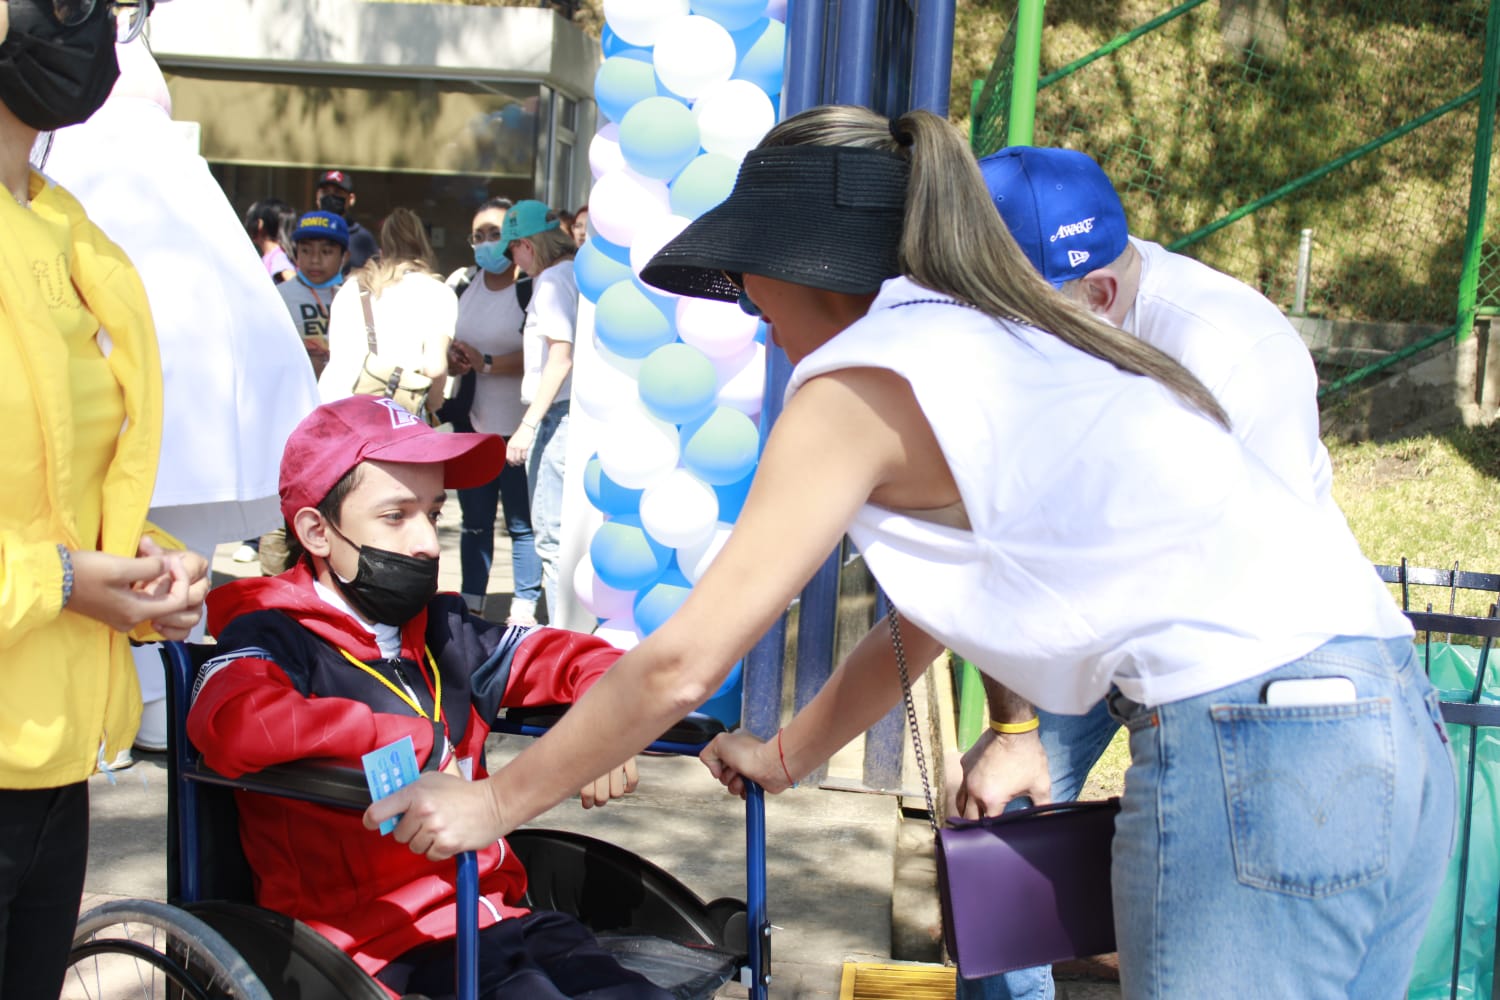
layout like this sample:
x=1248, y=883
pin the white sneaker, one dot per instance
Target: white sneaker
x=522, y=613
x=152, y=737
x=245, y=554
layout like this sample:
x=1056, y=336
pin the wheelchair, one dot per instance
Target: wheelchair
x=210, y=942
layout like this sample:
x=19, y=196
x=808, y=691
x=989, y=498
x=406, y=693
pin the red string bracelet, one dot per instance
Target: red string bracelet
x=782, y=754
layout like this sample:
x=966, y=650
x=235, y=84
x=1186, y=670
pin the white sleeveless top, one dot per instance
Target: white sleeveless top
x=1117, y=537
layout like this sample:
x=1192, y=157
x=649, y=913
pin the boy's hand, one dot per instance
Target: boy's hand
x=616, y=784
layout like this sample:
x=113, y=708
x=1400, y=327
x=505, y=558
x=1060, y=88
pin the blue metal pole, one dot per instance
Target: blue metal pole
x=854, y=74
x=932, y=70
x=805, y=41
x=755, y=892
x=466, y=950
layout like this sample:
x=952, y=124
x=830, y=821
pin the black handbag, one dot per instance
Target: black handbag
x=1026, y=888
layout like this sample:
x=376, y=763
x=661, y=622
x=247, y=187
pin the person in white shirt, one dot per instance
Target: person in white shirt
x=1068, y=221
x=487, y=344
x=1064, y=506
x=541, y=247
x=320, y=249
x=414, y=312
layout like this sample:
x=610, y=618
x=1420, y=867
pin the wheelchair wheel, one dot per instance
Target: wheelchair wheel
x=140, y=948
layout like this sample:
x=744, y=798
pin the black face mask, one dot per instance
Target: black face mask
x=51, y=76
x=333, y=203
x=388, y=587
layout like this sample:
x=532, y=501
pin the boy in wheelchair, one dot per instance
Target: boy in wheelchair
x=352, y=649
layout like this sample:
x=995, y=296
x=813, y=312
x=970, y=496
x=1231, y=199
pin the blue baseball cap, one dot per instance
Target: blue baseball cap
x=1059, y=206
x=526, y=218
x=322, y=226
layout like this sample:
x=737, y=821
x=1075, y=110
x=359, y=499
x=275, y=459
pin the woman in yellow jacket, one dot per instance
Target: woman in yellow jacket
x=78, y=569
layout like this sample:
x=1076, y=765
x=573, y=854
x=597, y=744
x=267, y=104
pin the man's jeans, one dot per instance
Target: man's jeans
x=544, y=473
x=476, y=542
x=1270, y=851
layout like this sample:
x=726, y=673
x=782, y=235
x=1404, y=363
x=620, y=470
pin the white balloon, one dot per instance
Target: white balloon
x=680, y=509
x=693, y=560
x=602, y=600
x=623, y=202
x=637, y=450
x=742, y=380
x=640, y=22
x=604, y=151
x=733, y=116
x=651, y=237
x=718, y=329
x=603, y=389
x=692, y=54
x=620, y=632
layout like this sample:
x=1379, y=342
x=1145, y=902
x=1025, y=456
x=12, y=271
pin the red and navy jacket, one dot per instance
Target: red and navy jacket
x=281, y=691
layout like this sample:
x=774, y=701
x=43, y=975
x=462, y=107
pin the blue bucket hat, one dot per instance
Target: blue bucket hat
x=1059, y=206
x=322, y=226
x=526, y=218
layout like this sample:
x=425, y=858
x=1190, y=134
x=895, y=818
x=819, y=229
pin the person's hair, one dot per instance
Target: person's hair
x=954, y=241
x=272, y=218
x=566, y=218
x=502, y=203
x=551, y=245
x=332, y=509
x=403, y=249
x=582, y=210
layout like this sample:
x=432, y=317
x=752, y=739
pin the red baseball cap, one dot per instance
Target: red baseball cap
x=337, y=436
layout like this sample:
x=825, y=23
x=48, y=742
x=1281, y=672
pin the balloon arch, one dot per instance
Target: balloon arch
x=669, y=388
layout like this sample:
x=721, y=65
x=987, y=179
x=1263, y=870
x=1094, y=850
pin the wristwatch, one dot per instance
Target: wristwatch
x=488, y=361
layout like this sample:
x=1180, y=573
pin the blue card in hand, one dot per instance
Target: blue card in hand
x=388, y=769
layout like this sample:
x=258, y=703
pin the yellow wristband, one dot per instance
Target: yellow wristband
x=1011, y=728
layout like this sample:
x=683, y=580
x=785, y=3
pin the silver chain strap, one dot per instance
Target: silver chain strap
x=911, y=719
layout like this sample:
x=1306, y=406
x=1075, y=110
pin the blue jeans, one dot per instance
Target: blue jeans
x=544, y=473
x=476, y=542
x=1300, y=857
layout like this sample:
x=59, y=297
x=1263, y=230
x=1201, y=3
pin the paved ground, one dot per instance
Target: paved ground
x=833, y=858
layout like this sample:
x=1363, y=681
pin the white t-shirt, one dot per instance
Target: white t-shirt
x=1117, y=537
x=1245, y=352
x=491, y=322
x=308, y=306
x=551, y=316
x=412, y=317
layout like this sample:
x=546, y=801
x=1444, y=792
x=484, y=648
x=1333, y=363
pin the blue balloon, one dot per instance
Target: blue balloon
x=721, y=449
x=702, y=184
x=625, y=557
x=678, y=384
x=614, y=45
x=611, y=250
x=732, y=498
x=658, y=137
x=629, y=324
x=595, y=271
x=655, y=604
x=761, y=49
x=606, y=494
x=666, y=303
x=731, y=14
x=621, y=83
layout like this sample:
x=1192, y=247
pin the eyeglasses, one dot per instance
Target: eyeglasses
x=738, y=281
x=488, y=235
x=130, y=15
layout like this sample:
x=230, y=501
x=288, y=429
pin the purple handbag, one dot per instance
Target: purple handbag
x=1026, y=888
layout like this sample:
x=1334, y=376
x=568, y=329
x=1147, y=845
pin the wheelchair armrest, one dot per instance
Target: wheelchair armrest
x=320, y=782
x=693, y=731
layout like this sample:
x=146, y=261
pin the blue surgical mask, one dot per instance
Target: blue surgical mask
x=491, y=257
x=333, y=282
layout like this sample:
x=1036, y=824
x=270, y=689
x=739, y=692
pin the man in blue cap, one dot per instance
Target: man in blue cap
x=1068, y=220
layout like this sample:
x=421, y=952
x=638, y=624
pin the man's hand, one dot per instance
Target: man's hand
x=444, y=815
x=618, y=783
x=1000, y=767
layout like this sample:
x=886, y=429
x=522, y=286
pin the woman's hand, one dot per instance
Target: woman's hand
x=183, y=565
x=519, y=446
x=463, y=358
x=737, y=757
x=441, y=815
x=154, y=586
x=618, y=783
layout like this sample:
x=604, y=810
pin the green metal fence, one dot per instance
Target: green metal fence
x=1332, y=153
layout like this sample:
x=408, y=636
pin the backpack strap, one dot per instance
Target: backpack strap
x=364, y=300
